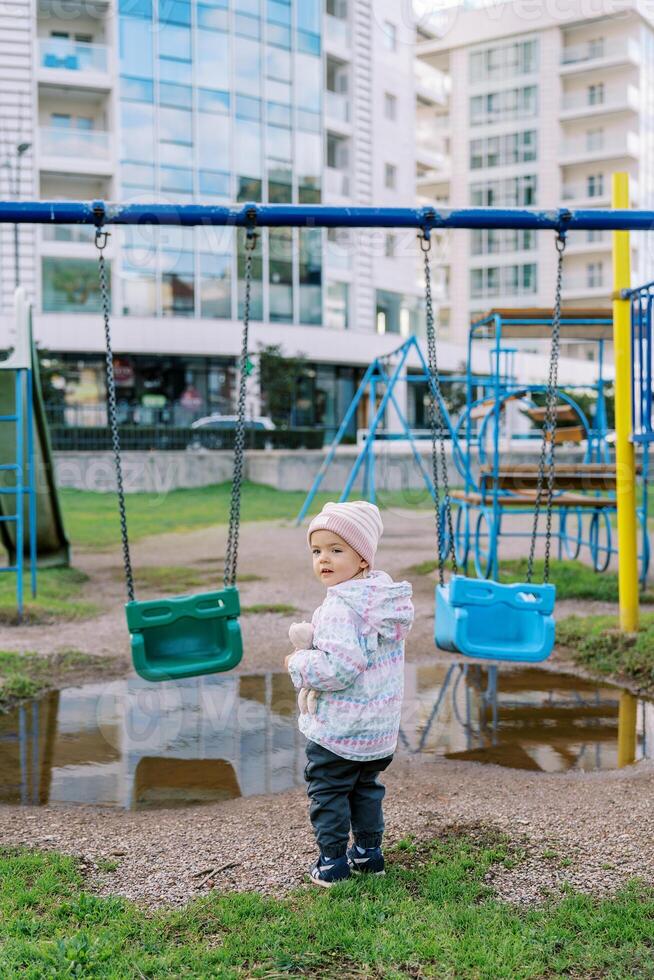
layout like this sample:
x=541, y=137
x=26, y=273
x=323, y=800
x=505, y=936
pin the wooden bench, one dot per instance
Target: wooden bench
x=564, y=413
x=527, y=498
x=567, y=476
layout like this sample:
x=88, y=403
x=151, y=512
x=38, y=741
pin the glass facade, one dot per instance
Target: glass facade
x=504, y=61
x=503, y=279
x=219, y=102
x=398, y=313
x=150, y=389
x=70, y=285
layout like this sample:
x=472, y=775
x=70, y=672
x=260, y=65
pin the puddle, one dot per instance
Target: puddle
x=136, y=745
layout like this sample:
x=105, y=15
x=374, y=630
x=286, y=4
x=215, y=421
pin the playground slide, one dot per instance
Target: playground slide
x=52, y=544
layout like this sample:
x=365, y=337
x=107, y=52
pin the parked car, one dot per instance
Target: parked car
x=217, y=431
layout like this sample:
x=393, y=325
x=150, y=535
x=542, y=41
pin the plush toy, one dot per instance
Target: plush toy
x=301, y=636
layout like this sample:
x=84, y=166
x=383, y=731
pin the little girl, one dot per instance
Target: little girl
x=356, y=666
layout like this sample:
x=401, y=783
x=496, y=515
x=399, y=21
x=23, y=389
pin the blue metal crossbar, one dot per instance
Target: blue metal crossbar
x=320, y=216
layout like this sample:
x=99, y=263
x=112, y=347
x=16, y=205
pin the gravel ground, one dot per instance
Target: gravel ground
x=592, y=830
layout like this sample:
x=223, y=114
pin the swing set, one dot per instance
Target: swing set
x=192, y=635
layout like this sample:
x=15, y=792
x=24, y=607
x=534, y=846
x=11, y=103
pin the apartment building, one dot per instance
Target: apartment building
x=212, y=101
x=539, y=108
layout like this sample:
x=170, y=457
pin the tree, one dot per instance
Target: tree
x=278, y=379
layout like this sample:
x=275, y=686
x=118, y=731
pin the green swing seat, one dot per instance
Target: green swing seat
x=185, y=636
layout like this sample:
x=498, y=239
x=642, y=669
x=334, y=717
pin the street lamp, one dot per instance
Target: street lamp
x=13, y=166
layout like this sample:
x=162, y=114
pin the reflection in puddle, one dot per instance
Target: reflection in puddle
x=134, y=745
x=524, y=718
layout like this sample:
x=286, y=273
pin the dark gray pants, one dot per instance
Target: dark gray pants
x=344, y=793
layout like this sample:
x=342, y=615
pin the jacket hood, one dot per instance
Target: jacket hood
x=384, y=605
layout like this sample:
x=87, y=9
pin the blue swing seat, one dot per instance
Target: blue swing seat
x=185, y=636
x=481, y=618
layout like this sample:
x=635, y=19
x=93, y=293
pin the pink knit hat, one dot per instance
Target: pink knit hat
x=358, y=523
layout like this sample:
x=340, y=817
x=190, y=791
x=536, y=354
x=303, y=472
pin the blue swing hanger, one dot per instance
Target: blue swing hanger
x=484, y=618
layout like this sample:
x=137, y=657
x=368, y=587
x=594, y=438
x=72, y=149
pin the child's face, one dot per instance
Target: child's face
x=334, y=561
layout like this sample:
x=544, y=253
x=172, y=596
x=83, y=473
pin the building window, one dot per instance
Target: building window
x=500, y=151
x=390, y=176
x=511, y=192
x=508, y=280
x=596, y=94
x=311, y=276
x=337, y=152
x=389, y=35
x=390, y=106
x=512, y=103
x=594, y=275
x=337, y=8
x=337, y=308
x=389, y=245
x=397, y=313
x=339, y=249
x=506, y=60
x=595, y=139
x=215, y=285
x=70, y=286
x=489, y=241
x=596, y=47
x=595, y=185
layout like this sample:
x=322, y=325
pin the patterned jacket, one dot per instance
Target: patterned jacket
x=357, y=663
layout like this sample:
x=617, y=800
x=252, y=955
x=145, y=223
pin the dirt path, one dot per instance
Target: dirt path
x=601, y=823
x=277, y=553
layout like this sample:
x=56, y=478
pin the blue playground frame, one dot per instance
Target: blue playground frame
x=425, y=219
x=480, y=510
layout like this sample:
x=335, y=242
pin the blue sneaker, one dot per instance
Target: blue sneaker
x=327, y=871
x=367, y=860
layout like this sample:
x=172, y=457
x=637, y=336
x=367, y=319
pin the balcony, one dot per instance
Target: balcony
x=589, y=241
x=337, y=107
x=431, y=182
x=584, y=57
x=336, y=182
x=337, y=34
x=430, y=148
x=63, y=61
x=581, y=103
x=580, y=194
x=578, y=149
x=586, y=287
x=432, y=86
x=77, y=234
x=75, y=150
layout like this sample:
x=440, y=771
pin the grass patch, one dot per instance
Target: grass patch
x=270, y=607
x=172, y=579
x=597, y=642
x=27, y=675
x=573, y=579
x=58, y=591
x=178, y=579
x=92, y=518
x=432, y=915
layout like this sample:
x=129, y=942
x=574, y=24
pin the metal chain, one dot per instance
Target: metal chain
x=549, y=428
x=101, y=238
x=437, y=426
x=231, y=558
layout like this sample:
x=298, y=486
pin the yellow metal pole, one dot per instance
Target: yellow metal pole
x=627, y=715
x=624, y=447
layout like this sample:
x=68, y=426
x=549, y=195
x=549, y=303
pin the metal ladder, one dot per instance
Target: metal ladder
x=24, y=486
